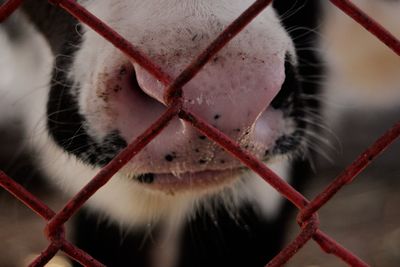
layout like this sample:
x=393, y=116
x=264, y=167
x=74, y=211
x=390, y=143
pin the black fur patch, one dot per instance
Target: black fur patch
x=65, y=123
x=291, y=102
x=107, y=243
x=284, y=99
x=212, y=239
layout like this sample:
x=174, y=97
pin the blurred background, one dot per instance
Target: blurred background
x=361, y=99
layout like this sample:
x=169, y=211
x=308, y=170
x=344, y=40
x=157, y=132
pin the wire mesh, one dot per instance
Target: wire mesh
x=307, y=218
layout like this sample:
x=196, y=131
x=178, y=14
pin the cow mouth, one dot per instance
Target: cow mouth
x=170, y=182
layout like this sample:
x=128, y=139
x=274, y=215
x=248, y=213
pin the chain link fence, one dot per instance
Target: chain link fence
x=307, y=217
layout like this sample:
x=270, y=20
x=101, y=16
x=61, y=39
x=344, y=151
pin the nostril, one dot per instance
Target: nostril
x=134, y=84
x=130, y=109
x=291, y=84
x=148, y=84
x=139, y=91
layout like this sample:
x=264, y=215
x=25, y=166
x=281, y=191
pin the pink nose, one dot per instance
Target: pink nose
x=231, y=92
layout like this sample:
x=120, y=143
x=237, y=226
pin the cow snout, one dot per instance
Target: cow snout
x=233, y=93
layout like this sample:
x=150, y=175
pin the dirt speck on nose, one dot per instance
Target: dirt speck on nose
x=103, y=95
x=170, y=157
x=117, y=88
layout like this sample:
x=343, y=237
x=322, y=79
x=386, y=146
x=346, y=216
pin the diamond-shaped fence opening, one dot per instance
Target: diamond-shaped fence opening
x=307, y=217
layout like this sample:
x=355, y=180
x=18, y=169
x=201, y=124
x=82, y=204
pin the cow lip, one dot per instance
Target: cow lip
x=170, y=182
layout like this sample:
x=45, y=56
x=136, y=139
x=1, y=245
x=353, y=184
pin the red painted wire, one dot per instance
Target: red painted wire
x=307, y=219
x=106, y=173
x=8, y=8
x=175, y=89
x=25, y=197
x=80, y=13
x=80, y=256
x=45, y=256
x=369, y=24
x=350, y=173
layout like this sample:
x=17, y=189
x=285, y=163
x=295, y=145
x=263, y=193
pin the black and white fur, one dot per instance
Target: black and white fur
x=76, y=129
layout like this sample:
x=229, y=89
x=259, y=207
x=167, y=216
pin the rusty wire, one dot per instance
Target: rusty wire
x=307, y=217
